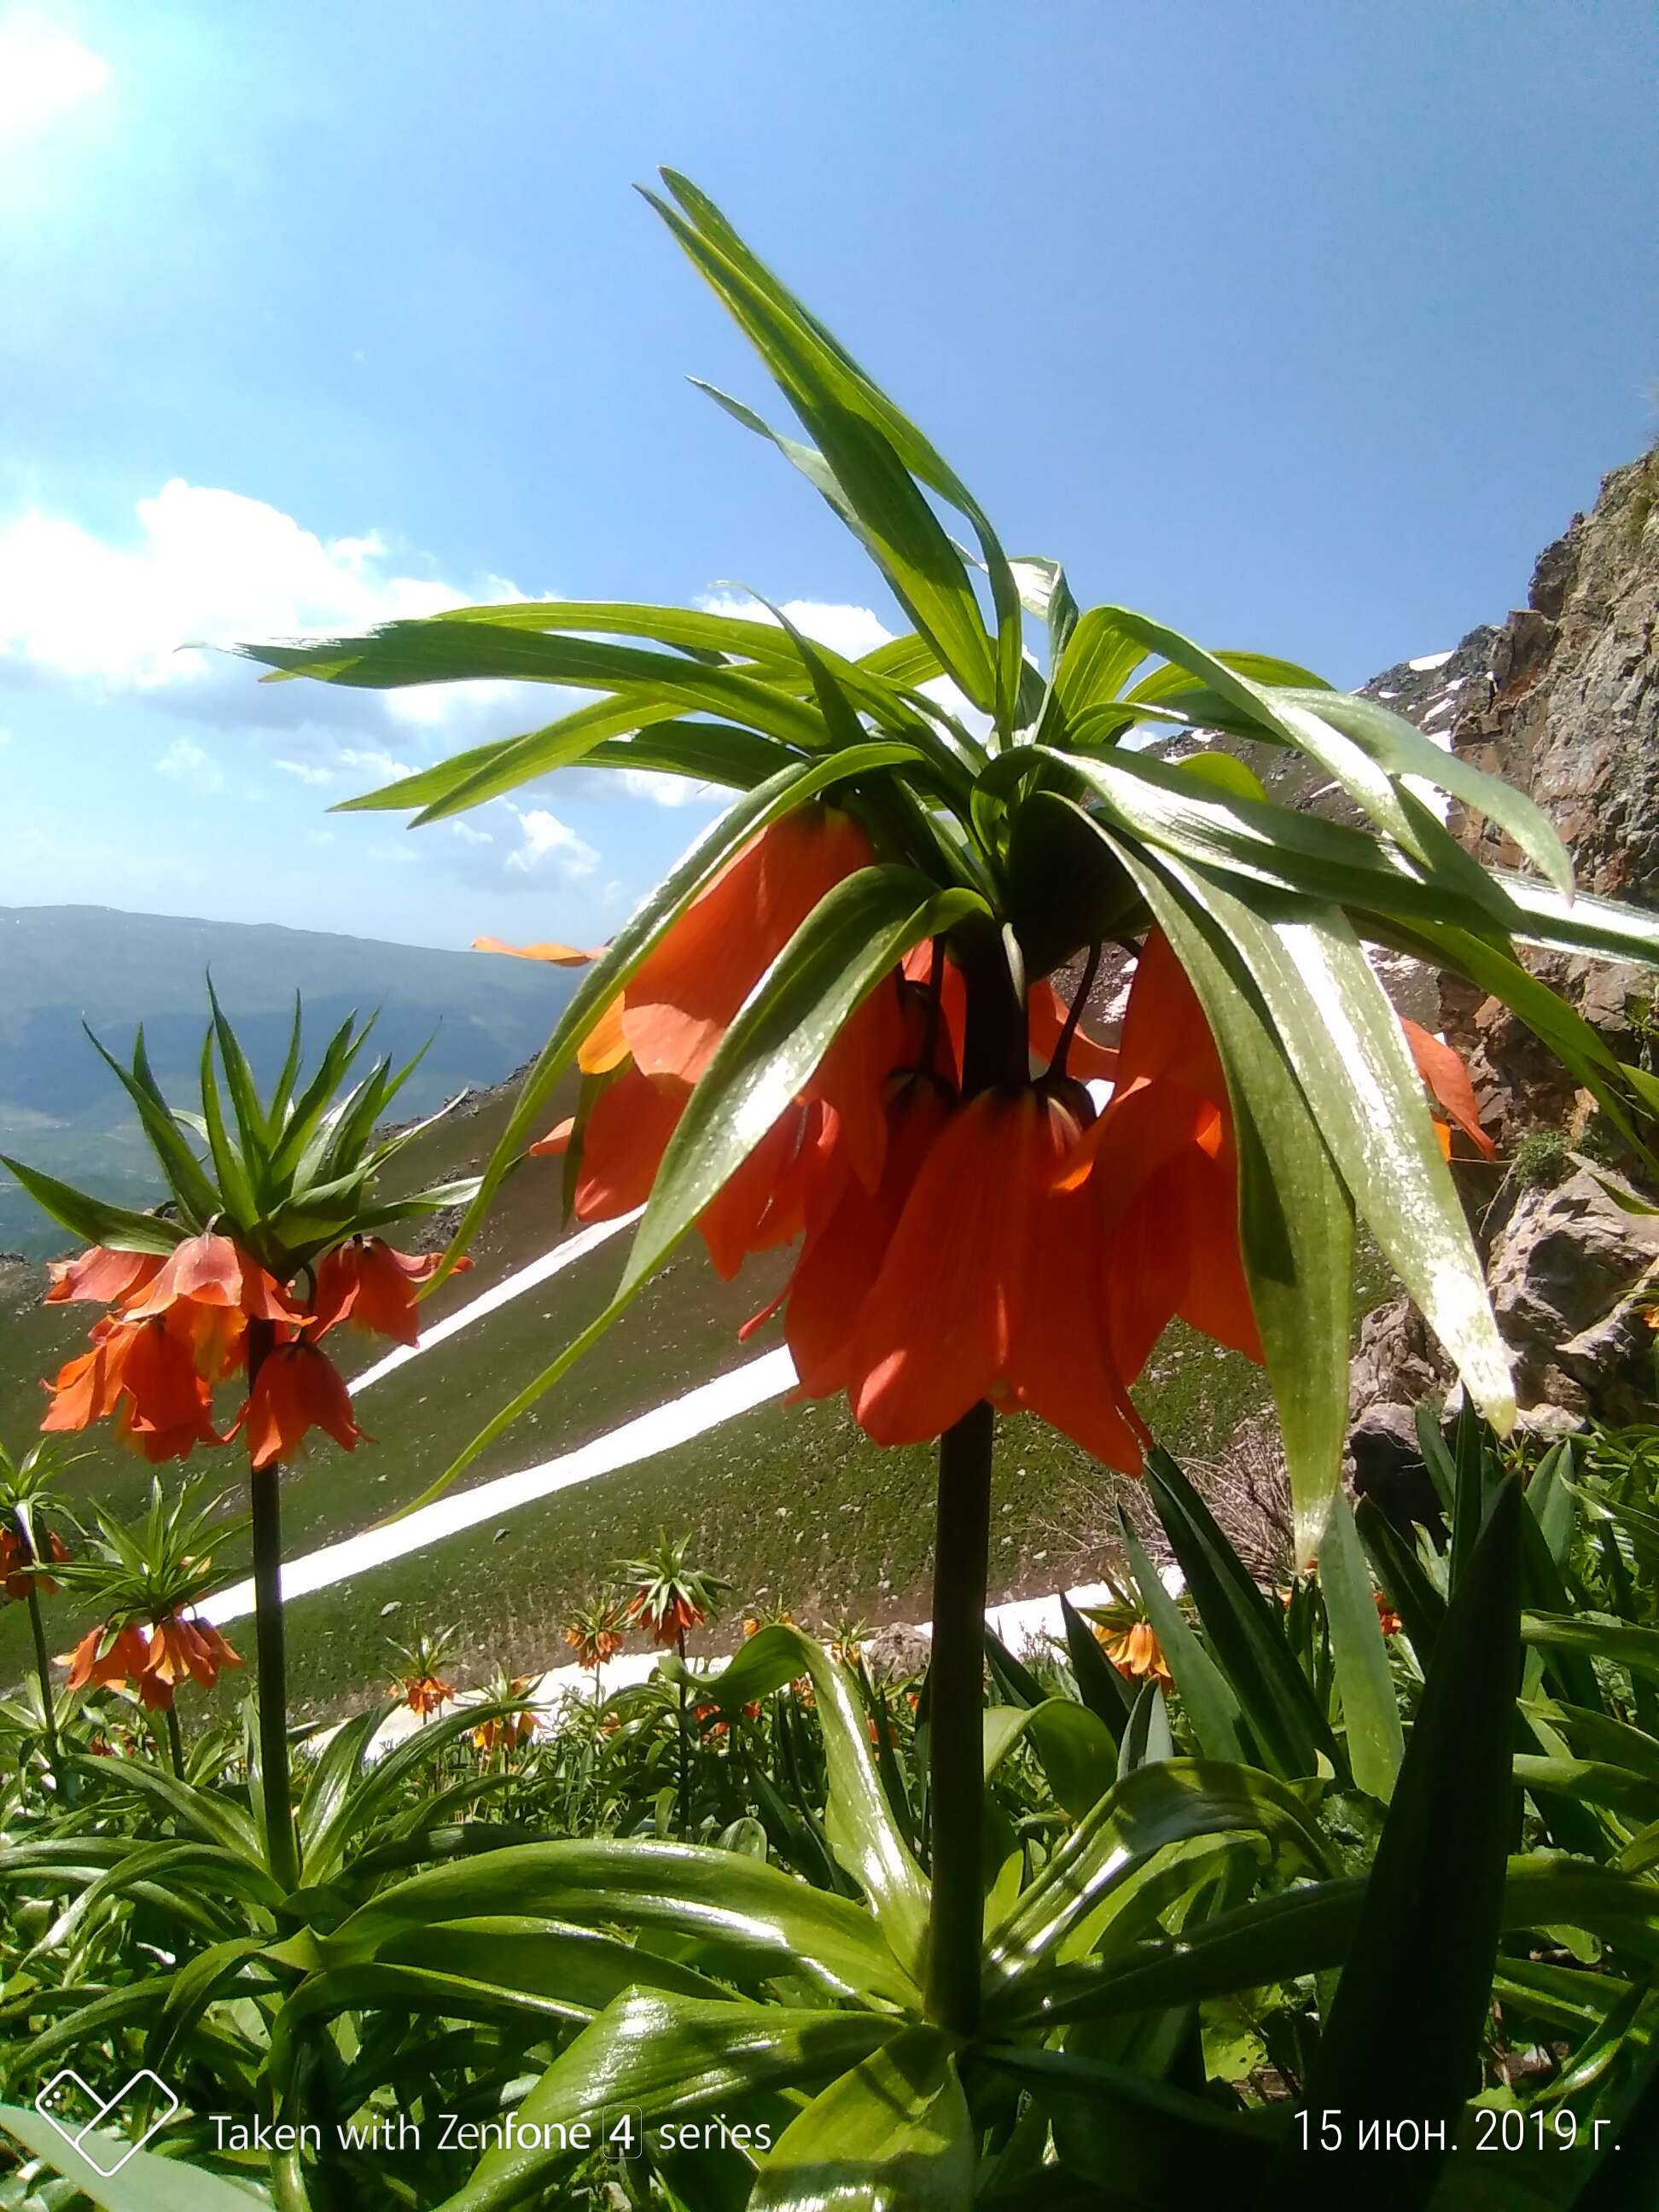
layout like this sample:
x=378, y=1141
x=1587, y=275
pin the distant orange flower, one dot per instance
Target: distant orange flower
x=593, y=1648
x=1135, y=1652
x=181, y=1650
x=179, y=1325
x=1450, y=1089
x=1387, y=1619
x=424, y=1693
x=677, y=1619
x=17, y=1572
x=508, y=1730
x=297, y=1389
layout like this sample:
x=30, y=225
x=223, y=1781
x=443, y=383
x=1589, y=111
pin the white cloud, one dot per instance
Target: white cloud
x=848, y=630
x=125, y=616
x=348, y=764
x=543, y=839
x=664, y=790
x=208, y=567
x=42, y=71
x=469, y=836
x=191, y=765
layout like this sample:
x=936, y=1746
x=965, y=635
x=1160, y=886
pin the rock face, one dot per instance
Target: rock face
x=1572, y=1273
x=1569, y=1279
x=1570, y=716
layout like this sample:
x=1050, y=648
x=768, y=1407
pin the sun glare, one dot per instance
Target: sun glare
x=42, y=71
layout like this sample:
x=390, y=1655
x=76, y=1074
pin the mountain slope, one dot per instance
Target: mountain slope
x=60, y=1108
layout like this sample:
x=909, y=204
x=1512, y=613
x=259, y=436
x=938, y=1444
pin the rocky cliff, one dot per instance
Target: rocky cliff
x=1567, y=709
x=1563, y=701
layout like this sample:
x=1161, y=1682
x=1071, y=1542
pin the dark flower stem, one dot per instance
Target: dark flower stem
x=43, y=1670
x=175, y=1742
x=994, y=1052
x=269, y=1654
x=685, y=1745
x=955, y=1752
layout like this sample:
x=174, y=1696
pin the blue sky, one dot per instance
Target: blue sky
x=1301, y=327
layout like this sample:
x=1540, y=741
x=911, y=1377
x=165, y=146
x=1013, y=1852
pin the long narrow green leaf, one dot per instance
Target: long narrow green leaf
x=1402, y=749
x=1287, y=721
x=1344, y=1043
x=1079, y=1753
x=1099, y=1685
x=198, y=1201
x=1295, y=1223
x=860, y=1822
x=1150, y=1809
x=893, y=2135
x=1245, y=1632
x=93, y=1220
x=898, y=528
x=750, y=1920
x=146, y=2181
x=1427, y=1938
x=1375, y=1740
x=1421, y=1607
x=1258, y=842
x=665, y=2058
x=833, y=370
x=1211, y=1709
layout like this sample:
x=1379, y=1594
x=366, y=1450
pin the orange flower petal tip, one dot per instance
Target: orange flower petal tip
x=555, y=956
x=556, y=1140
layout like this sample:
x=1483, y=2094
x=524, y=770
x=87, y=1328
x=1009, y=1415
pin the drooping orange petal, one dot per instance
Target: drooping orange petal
x=852, y=1077
x=1059, y=1364
x=207, y=1268
x=605, y=1045
x=681, y=1000
x=934, y=1333
x=1204, y=1215
x=1164, y=1031
x=99, y=1276
x=788, y=1183
x=732, y=1222
x=127, y=1656
x=556, y=956
x=842, y=1258
x=365, y=1280
x=1449, y=1080
x=82, y=1392
x=297, y=1389
x=165, y=1394
x=627, y=1134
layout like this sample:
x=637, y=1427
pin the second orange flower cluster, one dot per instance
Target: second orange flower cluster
x=178, y=1325
x=157, y=1659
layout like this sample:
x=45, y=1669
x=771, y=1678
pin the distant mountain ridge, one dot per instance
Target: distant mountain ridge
x=62, y=1110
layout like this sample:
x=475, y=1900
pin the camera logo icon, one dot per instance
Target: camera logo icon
x=74, y=2109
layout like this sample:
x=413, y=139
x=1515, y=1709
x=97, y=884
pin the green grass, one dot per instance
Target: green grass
x=789, y=1502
